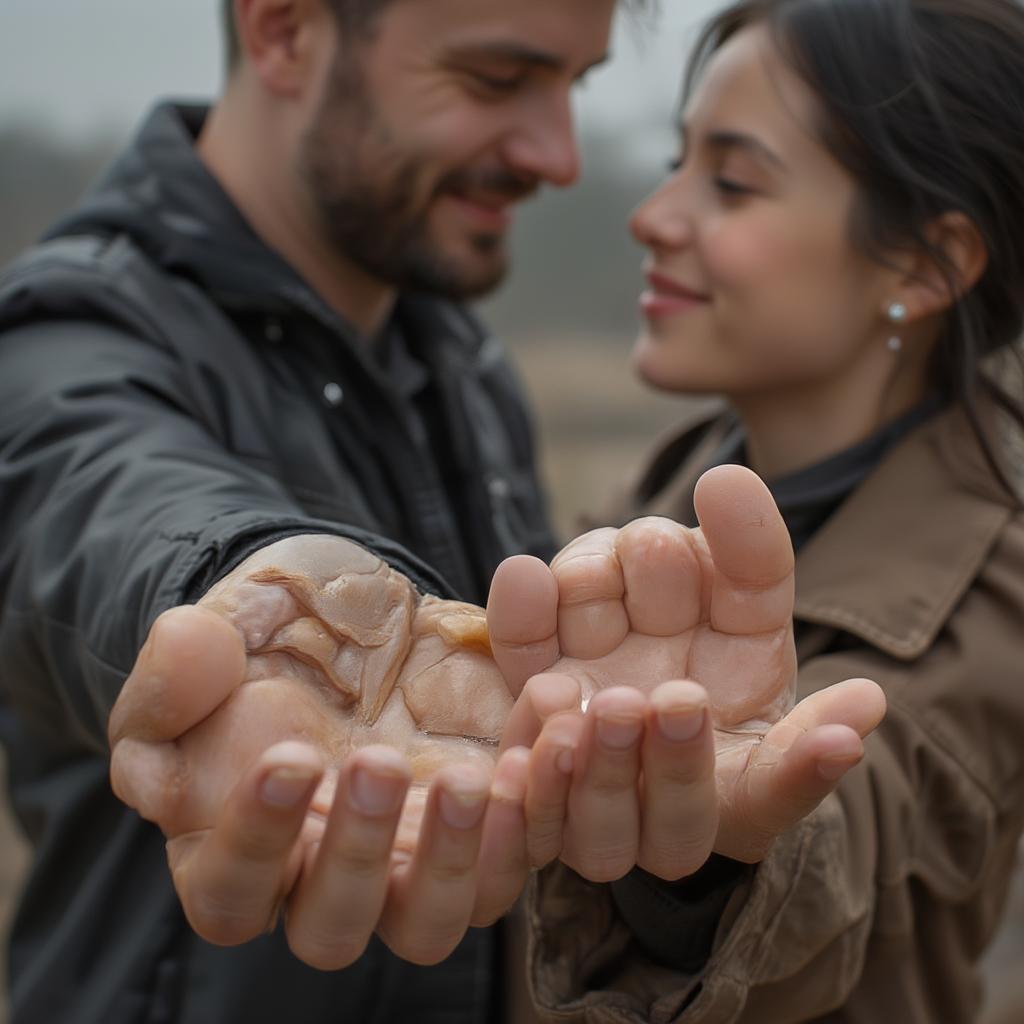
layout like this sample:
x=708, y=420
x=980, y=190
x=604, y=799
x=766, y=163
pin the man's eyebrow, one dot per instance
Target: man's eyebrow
x=518, y=53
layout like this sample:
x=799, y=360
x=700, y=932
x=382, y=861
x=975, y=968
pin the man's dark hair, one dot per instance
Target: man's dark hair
x=350, y=14
x=358, y=15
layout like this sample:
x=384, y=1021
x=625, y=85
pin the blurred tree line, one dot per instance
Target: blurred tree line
x=575, y=268
x=41, y=175
x=568, y=311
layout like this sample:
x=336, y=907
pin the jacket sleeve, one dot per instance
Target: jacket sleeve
x=116, y=504
x=882, y=897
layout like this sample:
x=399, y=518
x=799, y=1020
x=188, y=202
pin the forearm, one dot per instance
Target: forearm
x=119, y=504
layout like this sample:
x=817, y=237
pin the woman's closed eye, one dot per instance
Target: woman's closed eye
x=732, y=188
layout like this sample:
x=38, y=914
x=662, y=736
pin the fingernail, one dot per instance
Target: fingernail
x=681, y=724
x=286, y=787
x=462, y=810
x=564, y=761
x=832, y=769
x=619, y=733
x=375, y=793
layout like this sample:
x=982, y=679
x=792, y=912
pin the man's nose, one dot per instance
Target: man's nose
x=544, y=145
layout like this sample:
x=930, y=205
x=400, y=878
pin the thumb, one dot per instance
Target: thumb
x=190, y=664
x=801, y=760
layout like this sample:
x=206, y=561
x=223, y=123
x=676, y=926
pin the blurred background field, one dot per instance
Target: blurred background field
x=73, y=86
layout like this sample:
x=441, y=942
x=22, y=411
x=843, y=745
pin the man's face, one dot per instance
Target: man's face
x=430, y=127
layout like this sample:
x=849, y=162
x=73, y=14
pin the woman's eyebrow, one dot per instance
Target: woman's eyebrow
x=748, y=144
x=726, y=139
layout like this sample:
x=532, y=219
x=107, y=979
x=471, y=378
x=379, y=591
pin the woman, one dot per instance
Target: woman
x=839, y=252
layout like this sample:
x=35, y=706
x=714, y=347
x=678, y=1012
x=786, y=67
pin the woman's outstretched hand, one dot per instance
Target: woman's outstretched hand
x=657, y=673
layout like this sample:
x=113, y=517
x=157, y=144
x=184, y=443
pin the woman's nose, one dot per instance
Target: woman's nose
x=662, y=221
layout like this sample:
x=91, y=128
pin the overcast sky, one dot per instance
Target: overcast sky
x=84, y=66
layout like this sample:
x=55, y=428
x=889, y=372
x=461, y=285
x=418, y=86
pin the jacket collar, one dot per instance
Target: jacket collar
x=893, y=561
x=161, y=195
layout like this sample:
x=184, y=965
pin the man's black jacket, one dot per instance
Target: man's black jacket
x=172, y=396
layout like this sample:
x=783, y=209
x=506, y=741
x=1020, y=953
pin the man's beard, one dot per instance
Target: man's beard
x=364, y=190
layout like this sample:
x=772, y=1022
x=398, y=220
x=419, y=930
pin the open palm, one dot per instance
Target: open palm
x=655, y=601
x=319, y=738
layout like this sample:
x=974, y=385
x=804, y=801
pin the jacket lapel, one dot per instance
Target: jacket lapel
x=893, y=561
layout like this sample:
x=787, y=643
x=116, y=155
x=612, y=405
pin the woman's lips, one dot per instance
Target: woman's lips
x=666, y=297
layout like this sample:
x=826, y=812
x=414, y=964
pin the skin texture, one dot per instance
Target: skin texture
x=400, y=154
x=786, y=316
x=292, y=735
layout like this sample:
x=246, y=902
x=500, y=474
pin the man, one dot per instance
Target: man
x=234, y=377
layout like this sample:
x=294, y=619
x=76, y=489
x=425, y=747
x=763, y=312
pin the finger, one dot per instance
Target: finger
x=191, y=662
x=752, y=588
x=662, y=575
x=602, y=831
x=781, y=787
x=543, y=696
x=231, y=879
x=680, y=800
x=857, y=703
x=550, y=777
x=339, y=899
x=798, y=763
x=503, y=864
x=148, y=777
x=431, y=900
x=592, y=619
x=522, y=619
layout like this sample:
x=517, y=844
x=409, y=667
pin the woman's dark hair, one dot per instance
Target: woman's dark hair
x=922, y=101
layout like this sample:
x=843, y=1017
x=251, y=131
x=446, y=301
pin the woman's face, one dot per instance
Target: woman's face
x=754, y=286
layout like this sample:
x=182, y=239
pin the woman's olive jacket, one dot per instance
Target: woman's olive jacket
x=876, y=908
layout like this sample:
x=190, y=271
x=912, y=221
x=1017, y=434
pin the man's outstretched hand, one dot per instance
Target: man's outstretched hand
x=317, y=740
x=661, y=773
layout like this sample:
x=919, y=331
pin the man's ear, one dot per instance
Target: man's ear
x=929, y=286
x=280, y=40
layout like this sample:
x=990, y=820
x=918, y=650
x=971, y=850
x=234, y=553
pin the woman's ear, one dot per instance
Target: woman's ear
x=279, y=39
x=932, y=286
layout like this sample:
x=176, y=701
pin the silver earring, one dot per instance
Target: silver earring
x=897, y=315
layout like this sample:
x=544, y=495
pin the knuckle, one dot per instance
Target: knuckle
x=672, y=862
x=487, y=914
x=427, y=952
x=261, y=845
x=543, y=853
x=327, y=952
x=222, y=924
x=452, y=871
x=605, y=865
x=682, y=774
x=612, y=780
x=359, y=861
